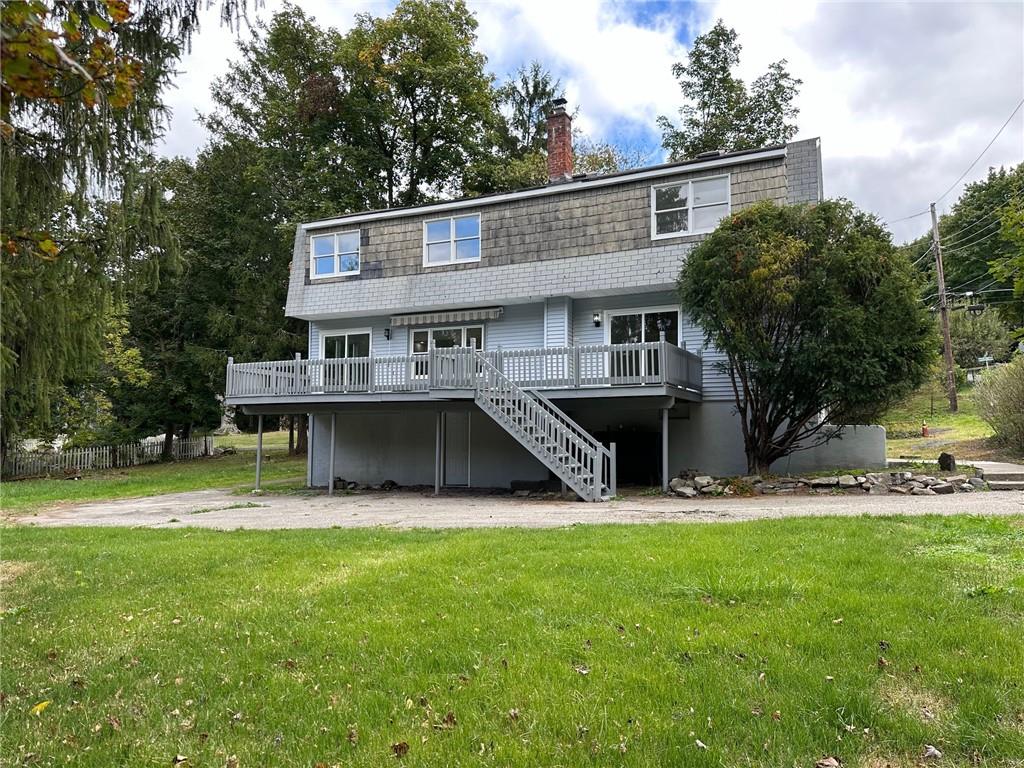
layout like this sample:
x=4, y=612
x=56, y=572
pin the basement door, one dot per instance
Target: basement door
x=456, y=448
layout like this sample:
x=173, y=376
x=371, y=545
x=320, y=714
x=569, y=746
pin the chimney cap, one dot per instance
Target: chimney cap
x=557, y=105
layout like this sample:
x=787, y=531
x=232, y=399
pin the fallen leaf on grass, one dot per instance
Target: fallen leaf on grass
x=232, y=762
x=401, y=749
x=447, y=722
x=882, y=662
x=353, y=735
x=513, y=714
x=828, y=762
x=179, y=760
x=931, y=753
x=700, y=744
x=40, y=707
x=583, y=669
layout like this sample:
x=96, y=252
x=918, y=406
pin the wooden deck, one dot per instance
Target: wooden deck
x=607, y=370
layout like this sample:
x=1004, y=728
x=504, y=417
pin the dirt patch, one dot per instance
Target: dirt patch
x=919, y=703
x=10, y=571
x=877, y=761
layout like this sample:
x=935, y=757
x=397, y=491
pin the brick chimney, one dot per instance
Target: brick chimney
x=559, y=142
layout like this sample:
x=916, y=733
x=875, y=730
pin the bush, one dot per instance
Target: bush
x=1000, y=398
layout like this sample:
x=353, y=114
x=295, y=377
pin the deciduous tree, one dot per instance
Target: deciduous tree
x=817, y=315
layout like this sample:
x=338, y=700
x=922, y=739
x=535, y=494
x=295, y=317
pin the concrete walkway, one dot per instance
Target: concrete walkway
x=400, y=509
x=1001, y=475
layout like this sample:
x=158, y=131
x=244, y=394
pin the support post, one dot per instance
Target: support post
x=297, y=377
x=330, y=469
x=259, y=450
x=947, y=344
x=613, y=473
x=664, y=449
x=437, y=456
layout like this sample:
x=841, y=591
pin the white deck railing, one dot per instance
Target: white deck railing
x=550, y=368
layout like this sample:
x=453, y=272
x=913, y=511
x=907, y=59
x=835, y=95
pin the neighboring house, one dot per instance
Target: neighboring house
x=516, y=337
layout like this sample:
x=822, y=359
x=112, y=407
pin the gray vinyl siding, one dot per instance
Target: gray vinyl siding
x=558, y=322
x=521, y=327
x=379, y=345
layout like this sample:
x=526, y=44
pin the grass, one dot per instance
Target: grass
x=25, y=496
x=964, y=434
x=772, y=644
x=247, y=442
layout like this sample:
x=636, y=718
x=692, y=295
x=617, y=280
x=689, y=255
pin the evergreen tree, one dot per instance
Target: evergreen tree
x=720, y=112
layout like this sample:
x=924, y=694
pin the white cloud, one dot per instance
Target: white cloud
x=904, y=96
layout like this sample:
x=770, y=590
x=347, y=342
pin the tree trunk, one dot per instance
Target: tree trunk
x=168, y=451
x=303, y=434
x=291, y=435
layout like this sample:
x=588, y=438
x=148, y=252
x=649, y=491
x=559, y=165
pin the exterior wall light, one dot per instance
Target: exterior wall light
x=597, y=319
x=387, y=334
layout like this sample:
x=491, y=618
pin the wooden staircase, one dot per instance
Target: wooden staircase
x=578, y=459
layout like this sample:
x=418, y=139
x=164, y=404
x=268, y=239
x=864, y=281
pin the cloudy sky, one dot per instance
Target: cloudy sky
x=903, y=96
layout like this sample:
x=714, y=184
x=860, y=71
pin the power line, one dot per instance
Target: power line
x=987, y=146
x=923, y=256
x=906, y=218
x=974, y=242
x=996, y=209
x=953, y=242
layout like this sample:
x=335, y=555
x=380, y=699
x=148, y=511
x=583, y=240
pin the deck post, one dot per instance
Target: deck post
x=330, y=471
x=298, y=366
x=437, y=456
x=229, y=385
x=663, y=361
x=664, y=449
x=613, y=474
x=259, y=450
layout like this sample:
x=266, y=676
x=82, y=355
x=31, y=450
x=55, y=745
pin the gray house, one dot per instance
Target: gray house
x=527, y=336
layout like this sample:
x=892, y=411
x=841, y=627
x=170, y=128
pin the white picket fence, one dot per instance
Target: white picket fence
x=35, y=464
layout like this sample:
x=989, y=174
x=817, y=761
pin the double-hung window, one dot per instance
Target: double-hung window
x=452, y=240
x=688, y=207
x=334, y=255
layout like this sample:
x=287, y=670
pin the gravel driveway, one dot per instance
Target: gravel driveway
x=224, y=510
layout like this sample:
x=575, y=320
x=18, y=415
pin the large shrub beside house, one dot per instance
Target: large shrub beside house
x=818, y=318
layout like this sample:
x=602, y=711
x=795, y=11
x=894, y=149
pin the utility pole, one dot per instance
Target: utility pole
x=947, y=344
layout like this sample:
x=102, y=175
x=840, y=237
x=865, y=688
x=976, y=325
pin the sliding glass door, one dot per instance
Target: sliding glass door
x=420, y=341
x=347, y=345
x=635, y=327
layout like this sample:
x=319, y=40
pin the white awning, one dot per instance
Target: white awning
x=449, y=317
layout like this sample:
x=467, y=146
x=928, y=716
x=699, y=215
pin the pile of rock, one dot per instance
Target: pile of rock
x=690, y=485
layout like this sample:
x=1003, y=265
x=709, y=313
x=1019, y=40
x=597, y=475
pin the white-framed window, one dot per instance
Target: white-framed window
x=422, y=339
x=333, y=255
x=689, y=207
x=451, y=240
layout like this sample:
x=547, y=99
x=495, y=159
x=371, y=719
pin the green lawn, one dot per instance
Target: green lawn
x=199, y=474
x=772, y=644
x=245, y=441
x=964, y=433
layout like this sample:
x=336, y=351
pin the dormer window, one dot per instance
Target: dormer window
x=688, y=207
x=334, y=255
x=452, y=240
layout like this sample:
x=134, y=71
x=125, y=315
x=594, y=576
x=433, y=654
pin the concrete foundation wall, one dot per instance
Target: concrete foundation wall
x=711, y=440
x=399, y=444
x=372, y=447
